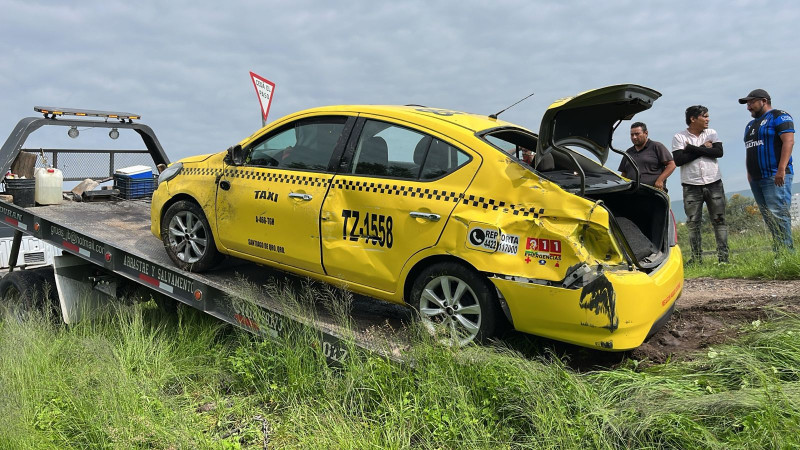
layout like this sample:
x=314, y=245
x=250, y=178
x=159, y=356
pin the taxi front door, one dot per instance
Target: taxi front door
x=269, y=208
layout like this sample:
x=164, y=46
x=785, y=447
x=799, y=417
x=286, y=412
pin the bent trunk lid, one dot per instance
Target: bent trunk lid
x=588, y=119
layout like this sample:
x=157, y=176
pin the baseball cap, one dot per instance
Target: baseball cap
x=757, y=93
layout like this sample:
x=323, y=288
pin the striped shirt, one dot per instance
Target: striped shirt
x=763, y=143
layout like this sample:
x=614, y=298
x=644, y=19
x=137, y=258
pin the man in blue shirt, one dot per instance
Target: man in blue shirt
x=769, y=139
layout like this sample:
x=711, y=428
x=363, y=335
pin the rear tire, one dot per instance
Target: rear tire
x=187, y=237
x=24, y=291
x=456, y=304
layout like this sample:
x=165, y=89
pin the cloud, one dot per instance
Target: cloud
x=184, y=65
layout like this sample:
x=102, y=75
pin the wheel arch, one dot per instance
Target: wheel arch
x=425, y=262
x=175, y=199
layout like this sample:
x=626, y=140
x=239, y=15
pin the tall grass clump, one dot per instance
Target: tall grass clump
x=126, y=379
x=751, y=256
x=744, y=396
x=134, y=378
x=491, y=397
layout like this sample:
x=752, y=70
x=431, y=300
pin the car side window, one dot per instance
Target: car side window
x=442, y=158
x=307, y=144
x=385, y=149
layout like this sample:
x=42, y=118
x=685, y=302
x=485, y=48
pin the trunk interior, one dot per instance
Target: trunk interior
x=642, y=219
x=641, y=216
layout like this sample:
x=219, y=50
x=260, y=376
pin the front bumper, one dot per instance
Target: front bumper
x=160, y=198
x=616, y=311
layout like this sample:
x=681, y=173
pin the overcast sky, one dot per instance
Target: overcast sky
x=183, y=65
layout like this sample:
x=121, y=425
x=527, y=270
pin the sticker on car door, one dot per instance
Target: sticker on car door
x=490, y=239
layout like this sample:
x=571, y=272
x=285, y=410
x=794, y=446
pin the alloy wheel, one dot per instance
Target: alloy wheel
x=188, y=236
x=450, y=310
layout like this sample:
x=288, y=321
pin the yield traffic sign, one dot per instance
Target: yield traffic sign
x=264, y=90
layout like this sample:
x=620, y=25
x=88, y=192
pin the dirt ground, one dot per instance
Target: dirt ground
x=712, y=311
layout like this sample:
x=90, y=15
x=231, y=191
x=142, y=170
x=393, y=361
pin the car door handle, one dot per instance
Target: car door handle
x=427, y=216
x=224, y=185
x=304, y=197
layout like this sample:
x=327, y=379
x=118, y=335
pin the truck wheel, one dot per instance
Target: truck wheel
x=187, y=237
x=456, y=304
x=49, y=290
x=21, y=293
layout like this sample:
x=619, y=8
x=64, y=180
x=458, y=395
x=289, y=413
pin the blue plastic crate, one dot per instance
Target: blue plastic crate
x=130, y=188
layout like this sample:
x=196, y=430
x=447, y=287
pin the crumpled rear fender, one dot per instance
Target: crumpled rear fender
x=533, y=230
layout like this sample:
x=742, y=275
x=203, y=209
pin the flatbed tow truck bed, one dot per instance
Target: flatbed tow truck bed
x=110, y=252
x=115, y=236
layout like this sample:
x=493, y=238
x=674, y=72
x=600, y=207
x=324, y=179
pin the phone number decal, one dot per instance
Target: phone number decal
x=373, y=228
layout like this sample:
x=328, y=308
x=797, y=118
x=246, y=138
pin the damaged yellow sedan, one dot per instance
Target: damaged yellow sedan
x=440, y=210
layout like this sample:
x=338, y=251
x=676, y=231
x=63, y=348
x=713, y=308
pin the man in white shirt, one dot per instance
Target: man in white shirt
x=695, y=151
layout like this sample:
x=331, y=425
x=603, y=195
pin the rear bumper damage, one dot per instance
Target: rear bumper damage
x=608, y=310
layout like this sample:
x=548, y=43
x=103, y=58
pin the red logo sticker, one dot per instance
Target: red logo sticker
x=543, y=245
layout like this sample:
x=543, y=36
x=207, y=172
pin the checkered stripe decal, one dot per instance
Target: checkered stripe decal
x=269, y=177
x=200, y=171
x=378, y=188
x=393, y=189
x=272, y=177
x=490, y=203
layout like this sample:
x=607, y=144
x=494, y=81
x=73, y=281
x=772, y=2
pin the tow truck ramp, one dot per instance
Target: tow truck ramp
x=109, y=252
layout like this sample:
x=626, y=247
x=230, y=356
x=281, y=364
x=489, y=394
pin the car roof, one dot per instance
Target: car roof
x=413, y=113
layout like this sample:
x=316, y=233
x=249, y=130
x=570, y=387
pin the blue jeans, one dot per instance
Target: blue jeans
x=774, y=202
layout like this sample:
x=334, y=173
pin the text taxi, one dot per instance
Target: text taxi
x=435, y=209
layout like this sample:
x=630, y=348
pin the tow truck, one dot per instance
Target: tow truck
x=109, y=254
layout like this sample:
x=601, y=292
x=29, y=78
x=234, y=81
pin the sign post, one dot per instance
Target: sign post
x=264, y=90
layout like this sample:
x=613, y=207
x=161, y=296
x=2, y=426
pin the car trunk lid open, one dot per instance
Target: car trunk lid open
x=639, y=215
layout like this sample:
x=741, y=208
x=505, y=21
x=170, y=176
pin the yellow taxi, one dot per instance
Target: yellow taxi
x=440, y=210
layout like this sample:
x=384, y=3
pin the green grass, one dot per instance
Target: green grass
x=138, y=379
x=751, y=256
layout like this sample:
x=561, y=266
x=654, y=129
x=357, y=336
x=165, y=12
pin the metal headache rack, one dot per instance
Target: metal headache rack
x=73, y=162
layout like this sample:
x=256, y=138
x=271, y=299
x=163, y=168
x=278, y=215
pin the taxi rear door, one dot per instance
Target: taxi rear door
x=392, y=200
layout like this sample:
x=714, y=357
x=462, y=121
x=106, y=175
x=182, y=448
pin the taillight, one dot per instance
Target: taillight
x=673, y=237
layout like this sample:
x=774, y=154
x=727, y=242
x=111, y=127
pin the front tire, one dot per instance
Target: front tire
x=187, y=237
x=456, y=304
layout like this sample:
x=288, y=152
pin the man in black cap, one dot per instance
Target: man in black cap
x=769, y=139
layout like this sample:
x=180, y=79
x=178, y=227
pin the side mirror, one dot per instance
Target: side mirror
x=236, y=155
